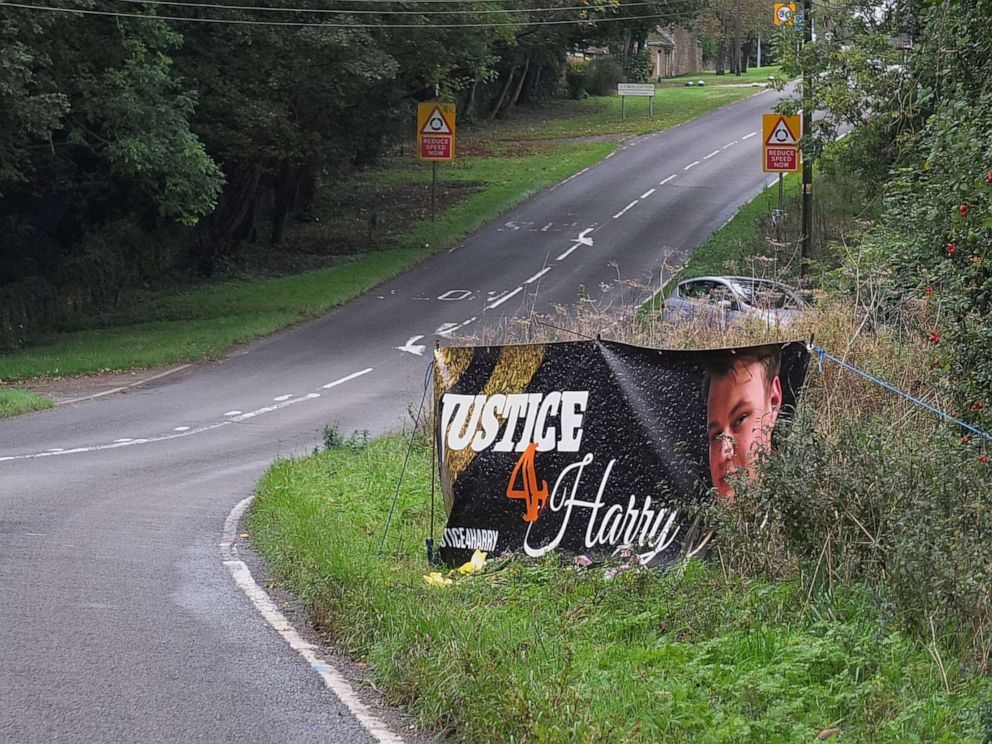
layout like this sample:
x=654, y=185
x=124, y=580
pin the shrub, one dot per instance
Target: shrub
x=575, y=80
x=26, y=309
x=602, y=76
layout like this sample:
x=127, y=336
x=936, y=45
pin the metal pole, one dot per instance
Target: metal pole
x=433, y=190
x=650, y=105
x=623, y=111
x=758, y=63
x=781, y=206
x=738, y=42
x=807, y=126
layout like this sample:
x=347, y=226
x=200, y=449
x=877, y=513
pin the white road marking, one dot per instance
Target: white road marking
x=620, y=214
x=281, y=398
x=749, y=136
x=159, y=376
x=647, y=193
x=446, y=329
x=412, y=347
x=693, y=164
x=670, y=178
x=331, y=677
x=183, y=431
x=609, y=156
x=538, y=275
x=707, y=157
x=348, y=378
x=121, y=441
x=730, y=144
x=453, y=295
x=582, y=239
x=504, y=298
x=547, y=227
x=567, y=253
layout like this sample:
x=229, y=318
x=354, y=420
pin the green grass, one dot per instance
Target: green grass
x=539, y=651
x=753, y=75
x=499, y=169
x=15, y=402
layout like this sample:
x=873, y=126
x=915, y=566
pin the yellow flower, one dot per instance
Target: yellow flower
x=477, y=563
x=436, y=579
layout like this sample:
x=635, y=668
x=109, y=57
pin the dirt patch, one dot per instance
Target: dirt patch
x=77, y=389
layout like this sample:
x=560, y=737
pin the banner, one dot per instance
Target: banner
x=589, y=446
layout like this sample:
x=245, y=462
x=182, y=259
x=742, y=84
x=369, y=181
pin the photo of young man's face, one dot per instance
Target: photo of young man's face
x=742, y=406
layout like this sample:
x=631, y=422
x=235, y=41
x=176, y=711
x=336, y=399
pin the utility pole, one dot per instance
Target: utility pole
x=737, y=45
x=807, y=127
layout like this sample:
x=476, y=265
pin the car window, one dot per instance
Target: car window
x=699, y=290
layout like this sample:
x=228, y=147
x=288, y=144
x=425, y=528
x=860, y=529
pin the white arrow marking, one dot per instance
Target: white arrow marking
x=582, y=239
x=413, y=348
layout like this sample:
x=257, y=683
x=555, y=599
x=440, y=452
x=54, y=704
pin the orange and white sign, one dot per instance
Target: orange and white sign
x=780, y=143
x=785, y=14
x=436, y=131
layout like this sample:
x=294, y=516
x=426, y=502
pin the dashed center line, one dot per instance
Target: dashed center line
x=538, y=275
x=504, y=298
x=352, y=376
x=181, y=428
x=620, y=214
x=749, y=136
x=707, y=157
x=233, y=413
x=647, y=193
x=567, y=253
x=281, y=398
x=730, y=144
x=693, y=164
x=670, y=178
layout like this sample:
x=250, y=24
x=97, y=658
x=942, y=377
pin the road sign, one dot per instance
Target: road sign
x=635, y=89
x=780, y=143
x=436, y=131
x=785, y=14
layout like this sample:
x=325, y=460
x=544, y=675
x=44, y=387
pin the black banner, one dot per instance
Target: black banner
x=586, y=447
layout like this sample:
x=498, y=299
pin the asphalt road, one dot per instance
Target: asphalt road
x=118, y=619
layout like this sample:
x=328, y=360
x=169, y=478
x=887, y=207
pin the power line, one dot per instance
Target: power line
x=305, y=24
x=365, y=11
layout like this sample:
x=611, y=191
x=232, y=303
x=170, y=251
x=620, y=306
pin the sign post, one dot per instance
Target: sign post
x=646, y=90
x=780, y=154
x=435, y=140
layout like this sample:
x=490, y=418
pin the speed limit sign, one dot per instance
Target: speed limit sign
x=785, y=14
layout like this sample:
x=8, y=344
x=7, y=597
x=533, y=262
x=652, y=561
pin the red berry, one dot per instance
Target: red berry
x=963, y=209
x=954, y=378
x=929, y=291
x=989, y=179
x=982, y=459
x=964, y=440
x=977, y=405
x=934, y=337
x=951, y=248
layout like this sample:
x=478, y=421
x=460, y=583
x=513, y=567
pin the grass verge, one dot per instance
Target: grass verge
x=541, y=651
x=497, y=170
x=14, y=402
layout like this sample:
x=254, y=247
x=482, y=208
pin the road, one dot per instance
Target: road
x=119, y=620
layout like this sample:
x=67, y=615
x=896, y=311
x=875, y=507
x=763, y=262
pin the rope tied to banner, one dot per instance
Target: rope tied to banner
x=406, y=459
x=822, y=354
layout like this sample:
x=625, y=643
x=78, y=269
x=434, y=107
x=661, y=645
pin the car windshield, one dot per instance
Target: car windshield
x=766, y=295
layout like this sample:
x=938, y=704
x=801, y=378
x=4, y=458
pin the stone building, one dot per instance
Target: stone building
x=674, y=52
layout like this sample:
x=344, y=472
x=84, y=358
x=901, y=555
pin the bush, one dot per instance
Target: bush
x=575, y=80
x=26, y=309
x=602, y=76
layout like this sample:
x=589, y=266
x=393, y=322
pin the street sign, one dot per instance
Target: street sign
x=436, y=132
x=780, y=143
x=785, y=14
x=635, y=89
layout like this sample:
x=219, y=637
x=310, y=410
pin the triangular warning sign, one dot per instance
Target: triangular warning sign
x=436, y=123
x=781, y=134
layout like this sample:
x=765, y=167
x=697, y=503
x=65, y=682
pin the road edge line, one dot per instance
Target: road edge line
x=332, y=678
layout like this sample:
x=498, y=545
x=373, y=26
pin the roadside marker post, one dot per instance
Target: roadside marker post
x=645, y=90
x=435, y=140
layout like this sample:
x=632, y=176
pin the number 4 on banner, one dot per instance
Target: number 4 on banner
x=533, y=496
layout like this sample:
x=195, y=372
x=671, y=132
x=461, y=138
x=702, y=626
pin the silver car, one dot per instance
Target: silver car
x=732, y=298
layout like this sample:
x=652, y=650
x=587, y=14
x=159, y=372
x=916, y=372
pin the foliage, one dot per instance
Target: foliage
x=602, y=76
x=543, y=651
x=14, y=402
x=575, y=81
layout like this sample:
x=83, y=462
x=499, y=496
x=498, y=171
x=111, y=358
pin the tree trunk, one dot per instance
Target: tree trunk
x=470, y=101
x=520, y=84
x=502, y=96
x=284, y=190
x=718, y=62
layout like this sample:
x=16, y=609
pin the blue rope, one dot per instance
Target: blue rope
x=822, y=354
